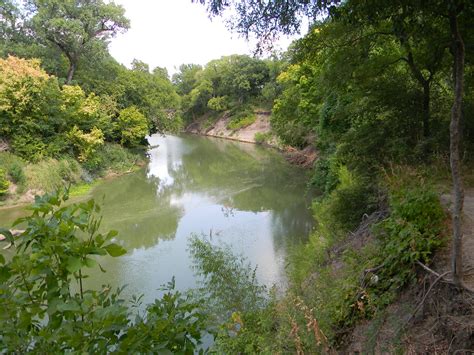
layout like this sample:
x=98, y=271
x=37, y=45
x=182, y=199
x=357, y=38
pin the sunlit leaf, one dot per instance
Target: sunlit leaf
x=115, y=250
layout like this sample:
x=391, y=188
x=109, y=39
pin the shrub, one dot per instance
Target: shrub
x=133, y=126
x=86, y=144
x=13, y=166
x=113, y=157
x=219, y=103
x=51, y=174
x=239, y=123
x=47, y=309
x=262, y=138
x=344, y=207
x=325, y=177
x=4, y=183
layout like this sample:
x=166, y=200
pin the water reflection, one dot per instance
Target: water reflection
x=248, y=196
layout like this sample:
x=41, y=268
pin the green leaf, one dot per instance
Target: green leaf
x=73, y=264
x=115, y=250
x=90, y=262
x=7, y=234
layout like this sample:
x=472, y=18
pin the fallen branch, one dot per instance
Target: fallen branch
x=440, y=277
x=463, y=286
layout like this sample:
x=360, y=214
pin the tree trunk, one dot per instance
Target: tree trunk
x=455, y=132
x=426, y=109
x=70, y=73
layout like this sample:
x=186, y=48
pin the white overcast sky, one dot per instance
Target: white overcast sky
x=168, y=33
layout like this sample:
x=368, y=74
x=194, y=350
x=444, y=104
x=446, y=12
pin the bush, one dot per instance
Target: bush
x=85, y=144
x=113, y=157
x=338, y=294
x=344, y=207
x=239, y=123
x=262, y=138
x=325, y=177
x=133, y=126
x=4, y=183
x=220, y=103
x=51, y=174
x=13, y=166
x=46, y=309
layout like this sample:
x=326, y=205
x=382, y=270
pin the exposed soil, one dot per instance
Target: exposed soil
x=219, y=128
x=444, y=321
x=304, y=158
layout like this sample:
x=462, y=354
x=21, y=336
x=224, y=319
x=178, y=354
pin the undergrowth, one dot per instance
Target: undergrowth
x=339, y=278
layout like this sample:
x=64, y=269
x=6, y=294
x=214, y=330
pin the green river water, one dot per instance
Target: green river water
x=248, y=196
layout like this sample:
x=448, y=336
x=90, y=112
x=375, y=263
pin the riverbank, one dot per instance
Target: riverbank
x=257, y=132
x=25, y=180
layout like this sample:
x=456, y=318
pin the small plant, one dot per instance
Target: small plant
x=47, y=309
x=262, y=137
x=236, y=124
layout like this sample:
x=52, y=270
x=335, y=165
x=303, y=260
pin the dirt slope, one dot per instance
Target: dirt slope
x=444, y=322
x=219, y=128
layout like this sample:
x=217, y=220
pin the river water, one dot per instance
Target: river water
x=243, y=195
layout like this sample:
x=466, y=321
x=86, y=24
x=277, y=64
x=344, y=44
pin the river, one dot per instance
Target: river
x=243, y=195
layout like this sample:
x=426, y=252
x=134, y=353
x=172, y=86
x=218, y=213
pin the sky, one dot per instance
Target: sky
x=168, y=33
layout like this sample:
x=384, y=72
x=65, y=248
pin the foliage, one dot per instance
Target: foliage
x=152, y=94
x=262, y=138
x=86, y=143
x=228, y=83
x=244, y=310
x=77, y=28
x=325, y=177
x=29, y=100
x=45, y=307
x=237, y=123
x=342, y=292
x=227, y=281
x=133, y=126
x=342, y=209
x=14, y=167
x=412, y=231
x=114, y=157
x=4, y=183
x=218, y=103
x=51, y=174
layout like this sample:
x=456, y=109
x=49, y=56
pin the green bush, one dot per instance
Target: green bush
x=325, y=177
x=344, y=207
x=340, y=291
x=46, y=309
x=219, y=103
x=13, y=166
x=113, y=157
x=4, y=183
x=51, y=174
x=411, y=233
x=133, y=126
x=239, y=123
x=262, y=138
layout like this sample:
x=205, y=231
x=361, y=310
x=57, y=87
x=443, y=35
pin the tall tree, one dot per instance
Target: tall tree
x=77, y=26
x=267, y=18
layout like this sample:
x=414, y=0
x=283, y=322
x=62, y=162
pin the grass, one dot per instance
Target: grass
x=241, y=123
x=82, y=189
x=51, y=174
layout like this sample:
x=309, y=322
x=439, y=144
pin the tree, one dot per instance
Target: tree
x=77, y=26
x=133, y=126
x=267, y=18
